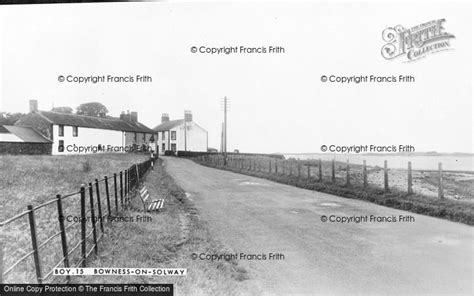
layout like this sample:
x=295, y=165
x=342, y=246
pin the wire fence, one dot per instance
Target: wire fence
x=344, y=174
x=72, y=223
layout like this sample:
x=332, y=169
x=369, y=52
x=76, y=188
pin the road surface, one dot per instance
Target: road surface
x=254, y=216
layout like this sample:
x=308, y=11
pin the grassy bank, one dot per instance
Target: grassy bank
x=34, y=180
x=168, y=241
x=454, y=210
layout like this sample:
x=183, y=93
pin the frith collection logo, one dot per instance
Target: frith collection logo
x=416, y=42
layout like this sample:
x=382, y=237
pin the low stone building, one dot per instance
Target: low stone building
x=16, y=140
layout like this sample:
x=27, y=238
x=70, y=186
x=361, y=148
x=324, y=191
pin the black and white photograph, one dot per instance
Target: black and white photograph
x=236, y=147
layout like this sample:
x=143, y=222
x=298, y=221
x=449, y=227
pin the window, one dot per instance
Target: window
x=162, y=136
x=75, y=131
x=173, y=147
x=163, y=147
x=173, y=135
x=61, y=130
x=61, y=146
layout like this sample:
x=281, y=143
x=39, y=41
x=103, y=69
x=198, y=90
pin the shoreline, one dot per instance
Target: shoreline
x=457, y=164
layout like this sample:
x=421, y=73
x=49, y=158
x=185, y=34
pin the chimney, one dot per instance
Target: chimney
x=33, y=106
x=126, y=116
x=188, y=116
x=134, y=116
x=165, y=117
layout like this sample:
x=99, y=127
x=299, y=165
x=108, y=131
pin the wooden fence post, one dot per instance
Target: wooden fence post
x=309, y=171
x=385, y=176
x=99, y=205
x=1, y=262
x=276, y=166
x=291, y=168
x=320, y=176
x=63, y=234
x=121, y=189
x=107, y=195
x=348, y=181
x=125, y=186
x=440, y=176
x=34, y=243
x=299, y=170
x=83, y=226
x=93, y=217
x=115, y=193
x=129, y=183
x=333, y=170
x=364, y=174
x=131, y=180
x=410, y=179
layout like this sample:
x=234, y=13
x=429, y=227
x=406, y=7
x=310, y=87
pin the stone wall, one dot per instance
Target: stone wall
x=19, y=148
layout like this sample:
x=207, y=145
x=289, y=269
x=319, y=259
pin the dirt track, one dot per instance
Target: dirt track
x=255, y=216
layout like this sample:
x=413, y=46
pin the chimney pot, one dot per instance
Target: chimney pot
x=134, y=116
x=33, y=106
x=165, y=117
x=188, y=116
x=125, y=116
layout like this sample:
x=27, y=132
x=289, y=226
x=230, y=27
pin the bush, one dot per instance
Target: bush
x=86, y=166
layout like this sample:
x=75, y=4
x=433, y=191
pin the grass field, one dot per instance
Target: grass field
x=168, y=241
x=35, y=179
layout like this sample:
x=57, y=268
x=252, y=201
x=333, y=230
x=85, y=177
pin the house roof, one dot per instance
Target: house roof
x=165, y=126
x=109, y=123
x=26, y=134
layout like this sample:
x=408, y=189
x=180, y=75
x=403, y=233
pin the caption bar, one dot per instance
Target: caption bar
x=87, y=289
x=121, y=271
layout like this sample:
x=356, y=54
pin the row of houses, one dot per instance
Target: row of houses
x=48, y=132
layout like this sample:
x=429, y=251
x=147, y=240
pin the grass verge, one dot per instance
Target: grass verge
x=167, y=241
x=26, y=179
x=453, y=210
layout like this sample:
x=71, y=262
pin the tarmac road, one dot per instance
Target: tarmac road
x=255, y=216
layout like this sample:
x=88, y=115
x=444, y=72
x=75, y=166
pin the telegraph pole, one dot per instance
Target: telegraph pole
x=185, y=136
x=226, y=108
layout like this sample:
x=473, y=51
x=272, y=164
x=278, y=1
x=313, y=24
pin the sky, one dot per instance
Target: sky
x=278, y=101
